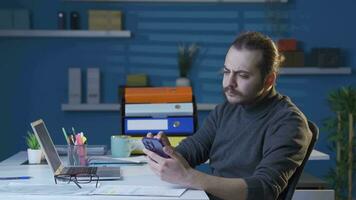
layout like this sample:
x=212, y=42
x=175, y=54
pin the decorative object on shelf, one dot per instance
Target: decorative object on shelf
x=327, y=57
x=34, y=152
x=116, y=107
x=341, y=128
x=93, y=86
x=21, y=19
x=15, y=19
x=293, y=57
x=137, y=80
x=105, y=20
x=74, y=21
x=65, y=33
x=74, y=86
x=186, y=57
x=61, y=20
x=6, y=19
x=287, y=44
x=187, y=1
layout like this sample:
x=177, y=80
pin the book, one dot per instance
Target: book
x=170, y=126
x=159, y=110
x=105, y=20
x=158, y=95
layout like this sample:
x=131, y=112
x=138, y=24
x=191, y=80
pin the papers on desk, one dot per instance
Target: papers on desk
x=46, y=189
x=137, y=190
x=89, y=189
x=103, y=160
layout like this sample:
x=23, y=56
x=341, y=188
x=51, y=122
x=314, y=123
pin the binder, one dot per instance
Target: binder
x=159, y=110
x=170, y=125
x=158, y=95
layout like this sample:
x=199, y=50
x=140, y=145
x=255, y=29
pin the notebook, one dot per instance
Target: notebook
x=52, y=157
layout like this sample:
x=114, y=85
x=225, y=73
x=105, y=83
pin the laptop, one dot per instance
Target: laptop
x=52, y=157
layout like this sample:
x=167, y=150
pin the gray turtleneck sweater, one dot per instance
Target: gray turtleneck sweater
x=263, y=144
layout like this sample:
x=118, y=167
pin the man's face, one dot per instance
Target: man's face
x=242, y=82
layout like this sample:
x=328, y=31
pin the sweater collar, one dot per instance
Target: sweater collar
x=262, y=105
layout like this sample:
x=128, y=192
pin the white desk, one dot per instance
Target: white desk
x=42, y=174
x=132, y=175
x=317, y=155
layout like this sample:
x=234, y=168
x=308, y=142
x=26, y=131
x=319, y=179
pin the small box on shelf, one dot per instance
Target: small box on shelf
x=105, y=20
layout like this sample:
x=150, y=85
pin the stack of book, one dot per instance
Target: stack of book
x=294, y=57
x=154, y=109
x=105, y=20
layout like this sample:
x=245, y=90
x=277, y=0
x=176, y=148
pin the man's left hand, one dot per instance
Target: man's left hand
x=174, y=169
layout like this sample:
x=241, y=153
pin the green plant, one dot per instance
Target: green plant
x=341, y=129
x=32, y=141
x=186, y=56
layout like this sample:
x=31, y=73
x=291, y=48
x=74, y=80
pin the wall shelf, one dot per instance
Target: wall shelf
x=64, y=33
x=116, y=107
x=187, y=1
x=315, y=70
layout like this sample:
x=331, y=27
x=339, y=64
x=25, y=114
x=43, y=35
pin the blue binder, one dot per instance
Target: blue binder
x=170, y=126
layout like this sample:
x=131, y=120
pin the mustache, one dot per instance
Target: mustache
x=230, y=89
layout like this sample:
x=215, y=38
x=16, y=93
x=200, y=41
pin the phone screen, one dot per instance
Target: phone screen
x=155, y=145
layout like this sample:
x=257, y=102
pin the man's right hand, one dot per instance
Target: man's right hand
x=161, y=136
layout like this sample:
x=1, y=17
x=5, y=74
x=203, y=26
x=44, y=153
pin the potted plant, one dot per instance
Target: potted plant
x=186, y=57
x=341, y=128
x=34, y=153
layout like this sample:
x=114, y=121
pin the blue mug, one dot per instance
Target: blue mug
x=121, y=146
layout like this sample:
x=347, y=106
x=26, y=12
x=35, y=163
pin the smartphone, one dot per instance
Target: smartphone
x=155, y=145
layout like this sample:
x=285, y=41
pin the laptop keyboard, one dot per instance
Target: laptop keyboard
x=81, y=170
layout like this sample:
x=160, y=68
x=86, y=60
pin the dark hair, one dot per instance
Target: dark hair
x=271, y=58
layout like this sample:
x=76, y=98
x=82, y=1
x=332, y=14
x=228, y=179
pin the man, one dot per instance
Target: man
x=254, y=141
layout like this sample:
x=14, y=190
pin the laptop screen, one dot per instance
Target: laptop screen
x=47, y=145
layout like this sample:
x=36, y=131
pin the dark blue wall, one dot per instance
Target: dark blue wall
x=33, y=76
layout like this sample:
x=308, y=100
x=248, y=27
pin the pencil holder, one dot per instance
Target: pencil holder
x=77, y=155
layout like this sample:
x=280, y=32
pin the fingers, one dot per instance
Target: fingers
x=149, y=135
x=153, y=156
x=170, y=151
x=161, y=136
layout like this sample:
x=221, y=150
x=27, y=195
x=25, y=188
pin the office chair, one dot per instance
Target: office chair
x=288, y=192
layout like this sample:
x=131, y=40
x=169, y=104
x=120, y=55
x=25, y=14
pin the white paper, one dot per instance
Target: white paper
x=137, y=190
x=46, y=189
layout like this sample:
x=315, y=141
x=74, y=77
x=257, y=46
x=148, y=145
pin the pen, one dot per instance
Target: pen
x=15, y=178
x=73, y=130
x=72, y=139
x=66, y=136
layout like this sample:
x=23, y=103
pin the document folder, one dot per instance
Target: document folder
x=159, y=110
x=158, y=95
x=171, y=125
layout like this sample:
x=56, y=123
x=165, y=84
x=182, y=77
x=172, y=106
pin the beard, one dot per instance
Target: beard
x=233, y=94
x=236, y=97
x=231, y=90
